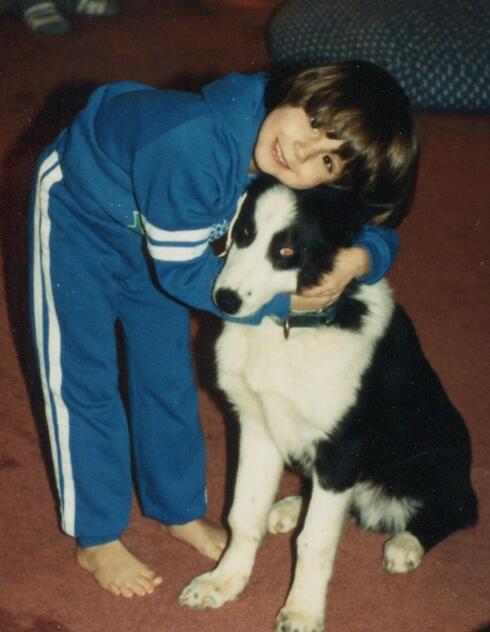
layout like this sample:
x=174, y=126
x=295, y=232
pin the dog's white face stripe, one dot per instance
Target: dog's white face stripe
x=232, y=223
x=248, y=271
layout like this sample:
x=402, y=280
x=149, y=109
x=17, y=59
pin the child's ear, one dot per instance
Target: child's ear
x=381, y=218
x=378, y=214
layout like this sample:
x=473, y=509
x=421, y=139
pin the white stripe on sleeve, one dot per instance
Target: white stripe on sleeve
x=159, y=234
x=176, y=253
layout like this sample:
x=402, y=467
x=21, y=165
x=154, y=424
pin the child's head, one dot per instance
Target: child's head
x=365, y=123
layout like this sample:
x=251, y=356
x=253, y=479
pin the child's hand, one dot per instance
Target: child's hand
x=349, y=263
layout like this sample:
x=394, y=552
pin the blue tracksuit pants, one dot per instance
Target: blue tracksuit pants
x=87, y=273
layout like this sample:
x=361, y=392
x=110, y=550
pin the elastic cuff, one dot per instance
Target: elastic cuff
x=379, y=255
x=196, y=509
x=86, y=542
x=180, y=519
x=281, y=305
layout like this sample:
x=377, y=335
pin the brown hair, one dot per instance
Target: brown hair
x=363, y=105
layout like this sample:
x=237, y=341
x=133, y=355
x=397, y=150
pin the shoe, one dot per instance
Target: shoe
x=45, y=18
x=95, y=8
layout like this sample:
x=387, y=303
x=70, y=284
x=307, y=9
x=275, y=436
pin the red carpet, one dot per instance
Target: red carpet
x=441, y=276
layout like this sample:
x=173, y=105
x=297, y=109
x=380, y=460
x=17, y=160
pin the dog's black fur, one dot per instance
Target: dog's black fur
x=405, y=435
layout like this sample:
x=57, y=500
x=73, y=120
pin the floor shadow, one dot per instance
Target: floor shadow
x=208, y=329
x=59, y=108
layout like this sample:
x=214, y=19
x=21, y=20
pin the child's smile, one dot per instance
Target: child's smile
x=279, y=156
x=291, y=148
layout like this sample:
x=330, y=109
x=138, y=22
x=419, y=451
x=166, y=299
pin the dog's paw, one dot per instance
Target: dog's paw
x=284, y=515
x=403, y=553
x=211, y=591
x=295, y=621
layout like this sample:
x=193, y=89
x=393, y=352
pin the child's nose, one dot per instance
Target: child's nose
x=304, y=150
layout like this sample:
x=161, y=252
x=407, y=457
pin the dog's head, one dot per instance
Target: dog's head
x=282, y=241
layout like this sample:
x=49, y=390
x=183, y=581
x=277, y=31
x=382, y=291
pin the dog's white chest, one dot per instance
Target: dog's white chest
x=300, y=387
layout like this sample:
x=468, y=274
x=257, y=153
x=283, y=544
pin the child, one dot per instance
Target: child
x=125, y=204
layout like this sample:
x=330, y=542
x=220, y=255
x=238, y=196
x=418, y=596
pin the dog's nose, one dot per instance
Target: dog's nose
x=227, y=301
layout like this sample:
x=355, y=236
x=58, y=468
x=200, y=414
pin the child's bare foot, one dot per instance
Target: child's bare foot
x=207, y=538
x=117, y=570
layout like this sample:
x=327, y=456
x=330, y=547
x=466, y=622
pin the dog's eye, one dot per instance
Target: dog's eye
x=286, y=251
x=243, y=235
x=239, y=233
x=315, y=125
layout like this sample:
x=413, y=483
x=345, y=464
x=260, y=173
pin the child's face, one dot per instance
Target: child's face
x=295, y=151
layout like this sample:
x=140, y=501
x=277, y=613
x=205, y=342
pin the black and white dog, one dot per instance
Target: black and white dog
x=353, y=403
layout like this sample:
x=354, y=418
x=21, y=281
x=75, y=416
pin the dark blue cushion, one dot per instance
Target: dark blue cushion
x=439, y=50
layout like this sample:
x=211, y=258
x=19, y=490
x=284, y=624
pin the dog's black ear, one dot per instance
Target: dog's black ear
x=340, y=213
x=349, y=212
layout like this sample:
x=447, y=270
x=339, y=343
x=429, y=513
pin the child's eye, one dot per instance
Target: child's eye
x=286, y=251
x=328, y=163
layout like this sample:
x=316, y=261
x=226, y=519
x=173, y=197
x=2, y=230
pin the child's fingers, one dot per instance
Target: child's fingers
x=322, y=293
x=311, y=292
x=310, y=303
x=319, y=291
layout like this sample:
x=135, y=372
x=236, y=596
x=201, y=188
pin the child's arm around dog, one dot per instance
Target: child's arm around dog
x=365, y=263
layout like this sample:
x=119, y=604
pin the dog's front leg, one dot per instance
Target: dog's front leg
x=259, y=470
x=316, y=546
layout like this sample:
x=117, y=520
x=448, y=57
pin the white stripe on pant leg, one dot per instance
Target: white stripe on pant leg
x=37, y=299
x=52, y=381
x=54, y=359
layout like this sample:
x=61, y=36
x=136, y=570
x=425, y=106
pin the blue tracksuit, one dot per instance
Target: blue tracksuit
x=125, y=203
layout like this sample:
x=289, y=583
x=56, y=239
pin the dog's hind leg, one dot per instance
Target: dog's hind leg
x=316, y=547
x=284, y=515
x=259, y=471
x=448, y=503
x=440, y=516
